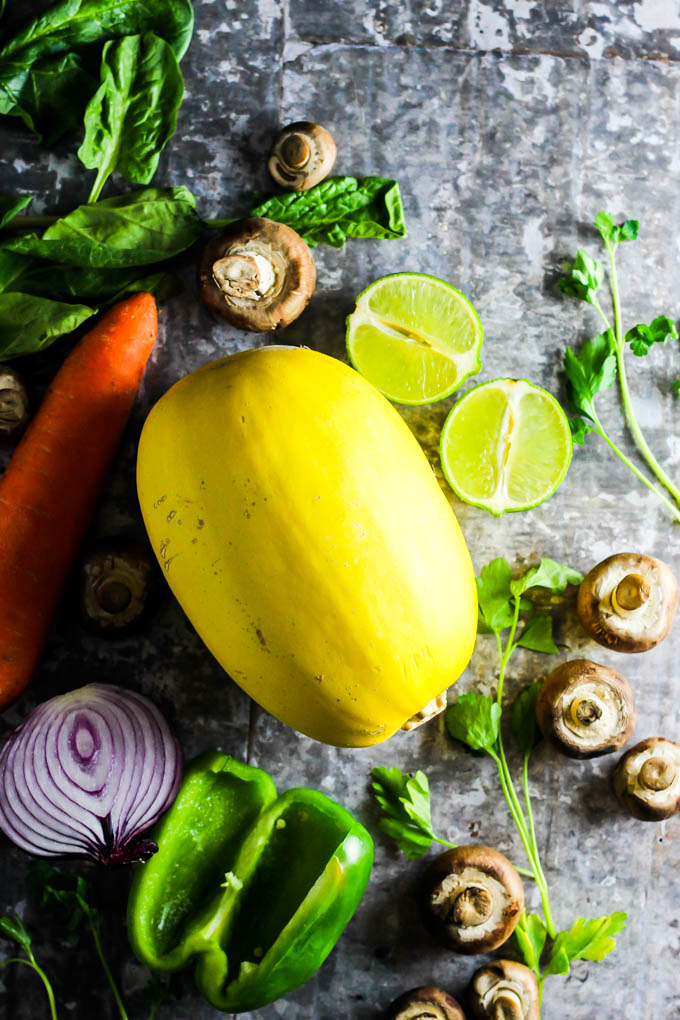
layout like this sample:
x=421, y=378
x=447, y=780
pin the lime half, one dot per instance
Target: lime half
x=506, y=445
x=416, y=338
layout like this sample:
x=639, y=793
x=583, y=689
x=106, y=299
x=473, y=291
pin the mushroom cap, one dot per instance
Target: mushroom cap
x=472, y=898
x=647, y=779
x=302, y=155
x=119, y=583
x=427, y=1003
x=586, y=709
x=13, y=402
x=257, y=274
x=504, y=988
x=628, y=630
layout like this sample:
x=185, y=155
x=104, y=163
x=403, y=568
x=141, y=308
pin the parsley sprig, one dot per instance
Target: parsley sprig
x=405, y=802
x=12, y=927
x=601, y=360
x=506, y=607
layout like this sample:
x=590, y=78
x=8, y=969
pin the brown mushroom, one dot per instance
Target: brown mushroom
x=472, y=899
x=647, y=779
x=119, y=582
x=504, y=990
x=425, y=1004
x=257, y=274
x=13, y=402
x=302, y=155
x=587, y=709
x=628, y=601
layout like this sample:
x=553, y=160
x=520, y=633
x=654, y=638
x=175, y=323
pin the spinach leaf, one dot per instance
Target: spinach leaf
x=50, y=95
x=85, y=286
x=11, y=267
x=338, y=208
x=29, y=324
x=133, y=114
x=73, y=25
x=10, y=205
x=136, y=229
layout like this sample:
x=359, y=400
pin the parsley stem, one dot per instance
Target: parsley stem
x=31, y=962
x=623, y=383
x=545, y=900
x=107, y=970
x=638, y=474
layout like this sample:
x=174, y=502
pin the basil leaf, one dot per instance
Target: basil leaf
x=50, y=95
x=338, y=208
x=133, y=114
x=29, y=324
x=10, y=206
x=136, y=229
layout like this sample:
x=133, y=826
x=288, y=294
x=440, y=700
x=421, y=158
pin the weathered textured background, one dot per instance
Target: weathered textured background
x=509, y=125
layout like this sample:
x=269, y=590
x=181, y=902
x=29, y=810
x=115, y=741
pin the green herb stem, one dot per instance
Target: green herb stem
x=31, y=962
x=107, y=969
x=638, y=474
x=623, y=383
x=543, y=886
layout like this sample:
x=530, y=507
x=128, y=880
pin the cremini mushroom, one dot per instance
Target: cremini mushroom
x=425, y=1004
x=504, y=990
x=587, y=709
x=257, y=274
x=302, y=155
x=628, y=601
x=119, y=582
x=472, y=898
x=647, y=779
x=13, y=402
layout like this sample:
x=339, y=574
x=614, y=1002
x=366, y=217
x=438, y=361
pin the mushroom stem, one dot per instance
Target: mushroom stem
x=507, y=1007
x=472, y=906
x=585, y=712
x=630, y=594
x=657, y=774
x=295, y=151
x=243, y=276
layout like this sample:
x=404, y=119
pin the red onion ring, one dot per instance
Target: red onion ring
x=86, y=773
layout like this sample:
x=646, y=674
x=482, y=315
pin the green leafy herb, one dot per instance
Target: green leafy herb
x=133, y=114
x=12, y=927
x=29, y=323
x=585, y=940
x=10, y=205
x=537, y=634
x=339, y=208
x=642, y=338
x=548, y=574
x=474, y=719
x=601, y=360
x=73, y=284
x=531, y=935
x=50, y=95
x=675, y=386
x=405, y=801
x=523, y=724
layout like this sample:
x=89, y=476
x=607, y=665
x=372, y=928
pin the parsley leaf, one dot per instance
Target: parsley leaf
x=642, y=338
x=591, y=370
x=523, y=722
x=494, y=594
x=612, y=233
x=580, y=429
x=675, y=386
x=585, y=940
x=474, y=719
x=548, y=574
x=537, y=634
x=12, y=927
x=405, y=801
x=530, y=935
x=583, y=278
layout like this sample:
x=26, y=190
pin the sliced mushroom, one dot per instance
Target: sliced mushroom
x=425, y=1004
x=119, y=581
x=628, y=601
x=647, y=779
x=302, y=156
x=504, y=990
x=472, y=899
x=13, y=402
x=257, y=274
x=587, y=709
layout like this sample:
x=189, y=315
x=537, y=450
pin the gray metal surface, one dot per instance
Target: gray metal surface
x=508, y=125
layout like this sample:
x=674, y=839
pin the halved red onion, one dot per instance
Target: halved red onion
x=86, y=773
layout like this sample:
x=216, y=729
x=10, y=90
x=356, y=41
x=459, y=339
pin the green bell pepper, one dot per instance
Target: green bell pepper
x=256, y=888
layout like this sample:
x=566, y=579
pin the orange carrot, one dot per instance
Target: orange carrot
x=50, y=488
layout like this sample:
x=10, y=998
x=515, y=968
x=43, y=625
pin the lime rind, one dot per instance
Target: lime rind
x=503, y=462
x=415, y=337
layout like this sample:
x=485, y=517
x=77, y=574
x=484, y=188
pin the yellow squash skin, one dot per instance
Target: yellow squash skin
x=303, y=531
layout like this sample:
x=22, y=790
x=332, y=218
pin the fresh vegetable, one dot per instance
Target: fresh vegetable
x=475, y=720
x=255, y=889
x=46, y=506
x=86, y=773
x=427, y=1002
x=471, y=899
x=405, y=802
x=628, y=602
x=302, y=155
x=257, y=274
x=504, y=990
x=118, y=582
x=133, y=114
x=647, y=779
x=415, y=337
x=13, y=402
x=12, y=927
x=320, y=561
x=587, y=709
x=602, y=359
x=505, y=446
x=43, y=75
